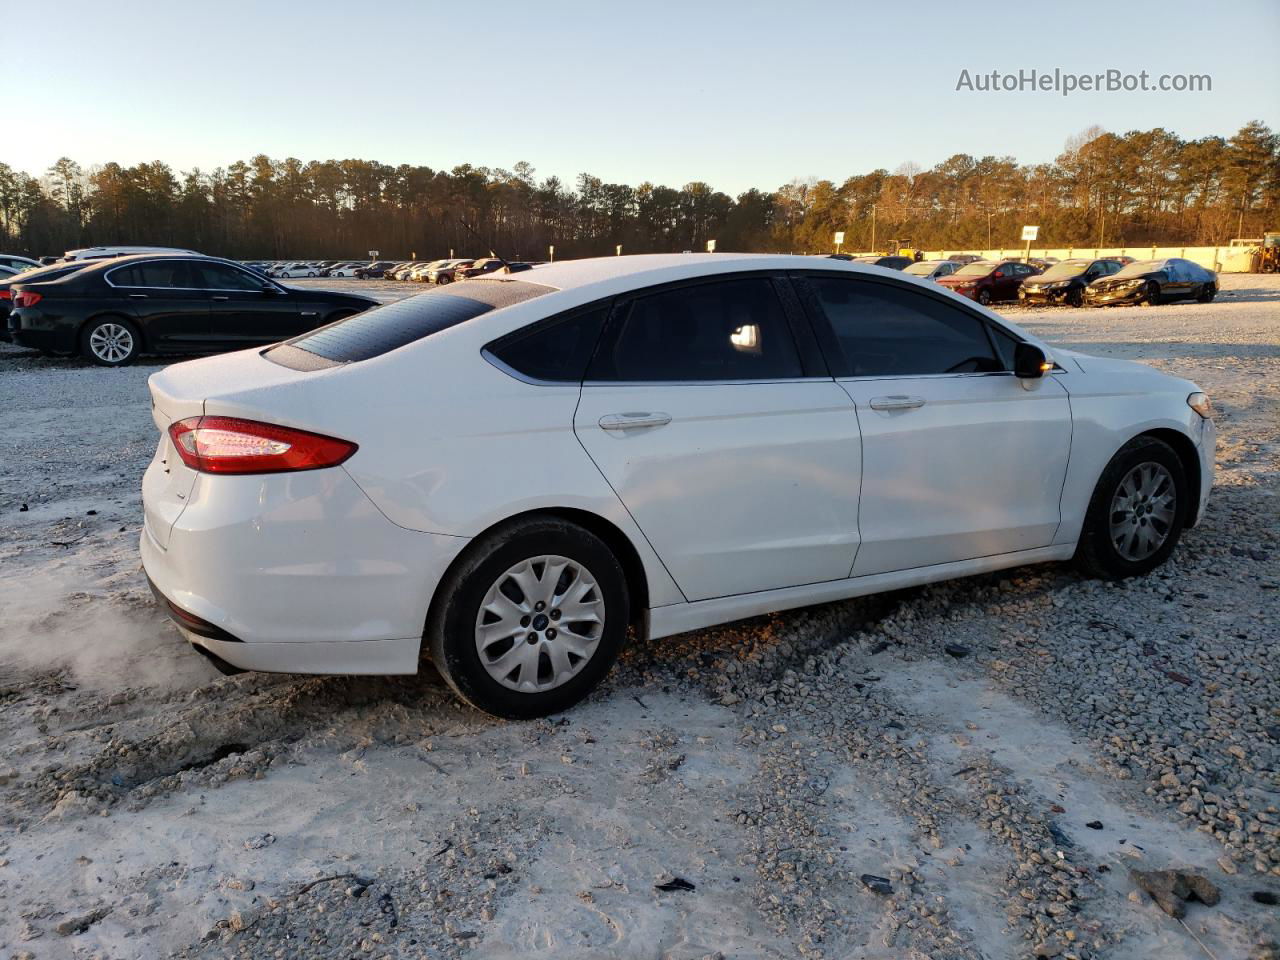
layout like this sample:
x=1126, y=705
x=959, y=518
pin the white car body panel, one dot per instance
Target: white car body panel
x=940, y=485
x=767, y=473
x=333, y=570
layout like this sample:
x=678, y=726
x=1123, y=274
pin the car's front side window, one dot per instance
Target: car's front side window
x=732, y=329
x=883, y=330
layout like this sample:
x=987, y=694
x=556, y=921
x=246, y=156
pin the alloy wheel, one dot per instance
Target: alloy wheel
x=1143, y=511
x=111, y=342
x=539, y=623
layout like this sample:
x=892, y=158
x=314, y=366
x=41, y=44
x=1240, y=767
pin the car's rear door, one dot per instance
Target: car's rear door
x=961, y=459
x=708, y=410
x=162, y=296
x=245, y=309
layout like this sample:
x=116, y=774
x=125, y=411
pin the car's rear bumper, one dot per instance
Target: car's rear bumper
x=294, y=572
x=30, y=327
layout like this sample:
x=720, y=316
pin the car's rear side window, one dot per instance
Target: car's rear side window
x=556, y=350
x=391, y=326
x=720, y=330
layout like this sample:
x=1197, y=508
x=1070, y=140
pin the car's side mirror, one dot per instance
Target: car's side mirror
x=268, y=289
x=998, y=274
x=1029, y=362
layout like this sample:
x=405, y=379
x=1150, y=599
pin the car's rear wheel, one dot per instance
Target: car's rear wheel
x=530, y=619
x=1207, y=293
x=110, y=341
x=1137, y=512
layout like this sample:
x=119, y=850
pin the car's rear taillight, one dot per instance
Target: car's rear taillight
x=5, y=294
x=232, y=445
x=26, y=298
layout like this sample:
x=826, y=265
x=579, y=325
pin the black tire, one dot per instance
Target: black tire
x=452, y=623
x=1075, y=298
x=1097, y=553
x=444, y=278
x=1207, y=293
x=110, y=341
x=984, y=297
x=1151, y=296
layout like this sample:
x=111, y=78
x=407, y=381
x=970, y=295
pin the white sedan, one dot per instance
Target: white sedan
x=506, y=475
x=291, y=270
x=347, y=269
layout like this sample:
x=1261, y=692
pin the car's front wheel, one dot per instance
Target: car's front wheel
x=984, y=297
x=110, y=341
x=1137, y=512
x=530, y=619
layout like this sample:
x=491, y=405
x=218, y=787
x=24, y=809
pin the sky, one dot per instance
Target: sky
x=737, y=94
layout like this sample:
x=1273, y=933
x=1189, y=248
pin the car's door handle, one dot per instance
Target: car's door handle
x=896, y=402
x=626, y=421
x=219, y=298
x=310, y=313
x=137, y=296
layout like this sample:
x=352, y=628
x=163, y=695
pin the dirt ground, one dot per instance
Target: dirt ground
x=970, y=769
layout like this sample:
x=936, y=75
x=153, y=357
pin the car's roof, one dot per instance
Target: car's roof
x=650, y=268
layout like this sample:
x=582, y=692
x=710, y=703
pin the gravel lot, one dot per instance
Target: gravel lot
x=725, y=793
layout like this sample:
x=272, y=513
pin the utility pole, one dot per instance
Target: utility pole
x=1102, y=227
x=873, y=228
x=988, y=231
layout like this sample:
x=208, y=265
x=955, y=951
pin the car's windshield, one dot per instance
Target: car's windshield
x=979, y=268
x=1066, y=270
x=1139, y=268
x=921, y=269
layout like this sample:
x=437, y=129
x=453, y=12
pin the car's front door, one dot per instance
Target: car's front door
x=245, y=309
x=162, y=295
x=726, y=439
x=961, y=459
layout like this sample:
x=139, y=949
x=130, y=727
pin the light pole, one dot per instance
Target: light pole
x=988, y=231
x=873, y=228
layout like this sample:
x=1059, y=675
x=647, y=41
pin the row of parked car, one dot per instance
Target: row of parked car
x=442, y=271
x=1078, y=282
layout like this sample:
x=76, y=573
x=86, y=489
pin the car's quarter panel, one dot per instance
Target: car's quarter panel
x=296, y=557
x=976, y=469
x=750, y=486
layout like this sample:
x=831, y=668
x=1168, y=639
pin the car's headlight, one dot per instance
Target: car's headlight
x=1199, y=402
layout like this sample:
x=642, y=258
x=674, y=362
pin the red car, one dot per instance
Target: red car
x=480, y=268
x=988, y=280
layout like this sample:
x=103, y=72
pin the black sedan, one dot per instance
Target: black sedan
x=1065, y=282
x=893, y=263
x=1152, y=282
x=112, y=310
x=29, y=276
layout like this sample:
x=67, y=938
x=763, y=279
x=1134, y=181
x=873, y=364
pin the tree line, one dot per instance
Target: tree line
x=1105, y=189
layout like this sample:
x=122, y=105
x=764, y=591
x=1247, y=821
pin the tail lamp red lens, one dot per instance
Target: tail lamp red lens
x=234, y=446
x=27, y=298
x=5, y=294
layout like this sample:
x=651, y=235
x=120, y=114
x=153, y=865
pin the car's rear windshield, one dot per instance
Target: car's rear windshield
x=382, y=329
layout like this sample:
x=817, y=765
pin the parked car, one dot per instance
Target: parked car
x=988, y=280
x=345, y=269
x=7, y=271
x=11, y=261
x=291, y=270
x=448, y=272
x=692, y=457
x=931, y=269
x=1065, y=282
x=35, y=274
x=419, y=273
x=892, y=263
x=103, y=253
x=479, y=268
x=964, y=258
x=402, y=271
x=375, y=270
x=110, y=312
x=1152, y=282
